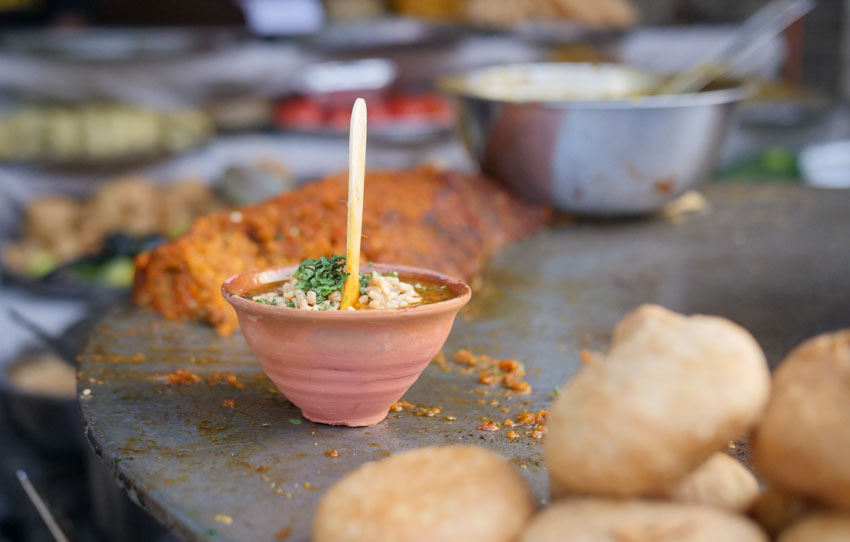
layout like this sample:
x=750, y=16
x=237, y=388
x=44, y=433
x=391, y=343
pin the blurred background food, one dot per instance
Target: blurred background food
x=44, y=374
x=506, y=13
x=94, y=239
x=98, y=132
x=57, y=230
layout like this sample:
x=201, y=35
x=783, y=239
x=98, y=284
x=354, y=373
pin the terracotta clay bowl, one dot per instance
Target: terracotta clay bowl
x=344, y=367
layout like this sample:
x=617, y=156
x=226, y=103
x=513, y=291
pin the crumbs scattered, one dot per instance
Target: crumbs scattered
x=400, y=405
x=587, y=357
x=509, y=373
x=262, y=468
x=181, y=377
x=418, y=410
x=488, y=426
x=229, y=403
x=222, y=518
x=534, y=424
x=688, y=203
x=228, y=378
x=283, y=533
x=331, y=453
x=428, y=412
x=441, y=363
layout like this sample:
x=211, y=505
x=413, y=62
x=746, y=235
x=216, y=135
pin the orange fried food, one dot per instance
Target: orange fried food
x=426, y=217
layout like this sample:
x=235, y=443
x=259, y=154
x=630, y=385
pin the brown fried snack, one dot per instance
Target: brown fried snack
x=821, y=527
x=671, y=391
x=425, y=217
x=775, y=510
x=721, y=482
x=436, y=494
x=597, y=520
x=803, y=444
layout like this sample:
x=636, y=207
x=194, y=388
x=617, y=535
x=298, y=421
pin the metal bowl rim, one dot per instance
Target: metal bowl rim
x=738, y=91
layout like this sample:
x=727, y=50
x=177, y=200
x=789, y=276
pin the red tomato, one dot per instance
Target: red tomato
x=339, y=118
x=378, y=114
x=418, y=106
x=300, y=112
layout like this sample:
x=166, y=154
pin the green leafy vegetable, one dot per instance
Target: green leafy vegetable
x=323, y=276
x=265, y=301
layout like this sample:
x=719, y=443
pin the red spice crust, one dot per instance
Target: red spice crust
x=425, y=217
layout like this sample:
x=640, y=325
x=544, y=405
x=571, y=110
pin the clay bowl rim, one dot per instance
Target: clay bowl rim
x=284, y=272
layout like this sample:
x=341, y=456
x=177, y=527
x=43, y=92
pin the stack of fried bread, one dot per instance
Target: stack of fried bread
x=636, y=451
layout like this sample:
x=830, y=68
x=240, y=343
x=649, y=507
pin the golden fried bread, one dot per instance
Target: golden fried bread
x=721, y=482
x=820, y=527
x=671, y=391
x=435, y=494
x=597, y=520
x=803, y=443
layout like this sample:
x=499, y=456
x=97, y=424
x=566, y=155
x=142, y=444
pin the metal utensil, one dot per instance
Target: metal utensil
x=585, y=137
x=41, y=507
x=765, y=24
x=62, y=348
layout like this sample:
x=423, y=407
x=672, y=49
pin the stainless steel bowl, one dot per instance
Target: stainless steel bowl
x=586, y=137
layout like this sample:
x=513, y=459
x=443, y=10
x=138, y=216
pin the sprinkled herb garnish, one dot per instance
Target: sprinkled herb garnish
x=323, y=276
x=265, y=301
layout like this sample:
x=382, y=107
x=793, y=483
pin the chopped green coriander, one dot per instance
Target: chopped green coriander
x=323, y=276
x=295, y=421
x=290, y=304
x=556, y=390
x=265, y=301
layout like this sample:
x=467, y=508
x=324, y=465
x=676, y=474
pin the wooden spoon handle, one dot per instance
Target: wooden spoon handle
x=356, y=179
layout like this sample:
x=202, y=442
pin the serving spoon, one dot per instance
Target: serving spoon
x=762, y=26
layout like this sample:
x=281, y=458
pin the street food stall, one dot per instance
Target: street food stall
x=455, y=270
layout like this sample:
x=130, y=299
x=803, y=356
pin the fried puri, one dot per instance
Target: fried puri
x=671, y=391
x=448, y=493
x=820, y=527
x=775, y=509
x=803, y=444
x=596, y=520
x=721, y=482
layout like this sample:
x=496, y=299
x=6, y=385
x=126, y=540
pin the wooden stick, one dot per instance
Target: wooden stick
x=356, y=179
